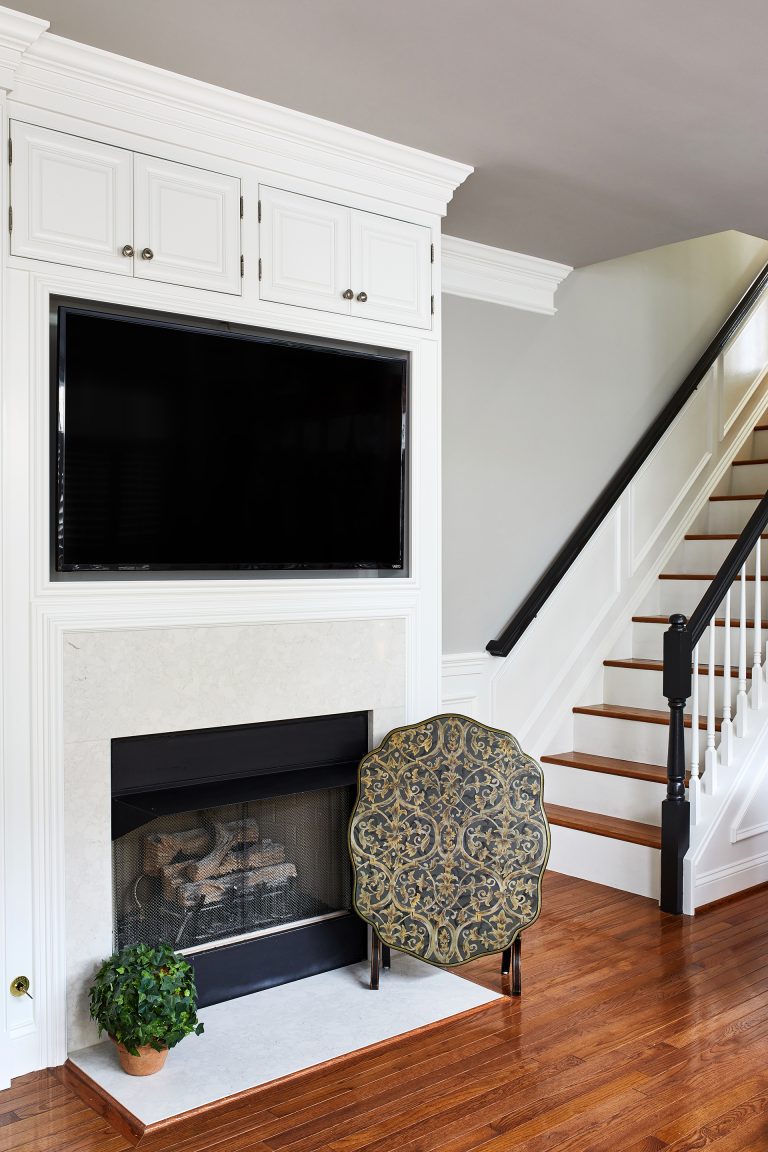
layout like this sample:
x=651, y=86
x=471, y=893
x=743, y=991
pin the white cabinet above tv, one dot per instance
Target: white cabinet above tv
x=316, y=254
x=90, y=205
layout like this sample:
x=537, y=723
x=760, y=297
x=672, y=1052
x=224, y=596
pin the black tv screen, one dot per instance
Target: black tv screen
x=182, y=447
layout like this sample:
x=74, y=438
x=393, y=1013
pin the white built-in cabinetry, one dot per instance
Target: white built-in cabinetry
x=322, y=255
x=111, y=157
x=90, y=205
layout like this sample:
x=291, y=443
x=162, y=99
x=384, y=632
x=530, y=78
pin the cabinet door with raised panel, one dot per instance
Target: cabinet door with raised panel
x=391, y=272
x=71, y=200
x=186, y=225
x=304, y=251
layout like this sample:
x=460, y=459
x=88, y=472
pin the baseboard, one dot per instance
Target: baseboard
x=730, y=881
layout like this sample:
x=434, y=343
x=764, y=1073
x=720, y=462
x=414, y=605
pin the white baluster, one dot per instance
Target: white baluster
x=757, y=663
x=710, y=755
x=726, y=728
x=694, y=783
x=741, y=695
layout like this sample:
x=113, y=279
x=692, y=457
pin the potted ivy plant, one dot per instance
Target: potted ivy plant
x=144, y=998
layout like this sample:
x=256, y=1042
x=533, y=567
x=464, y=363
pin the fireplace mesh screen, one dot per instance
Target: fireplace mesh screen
x=199, y=878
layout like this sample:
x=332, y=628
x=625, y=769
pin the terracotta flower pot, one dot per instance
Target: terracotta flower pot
x=148, y=1061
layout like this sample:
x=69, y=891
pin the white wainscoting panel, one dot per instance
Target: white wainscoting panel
x=742, y=365
x=670, y=471
x=523, y=685
x=465, y=685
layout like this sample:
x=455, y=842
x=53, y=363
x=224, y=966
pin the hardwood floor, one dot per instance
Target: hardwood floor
x=636, y=1032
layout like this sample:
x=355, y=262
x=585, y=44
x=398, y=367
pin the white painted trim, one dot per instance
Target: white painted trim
x=18, y=32
x=101, y=87
x=731, y=878
x=465, y=684
x=499, y=276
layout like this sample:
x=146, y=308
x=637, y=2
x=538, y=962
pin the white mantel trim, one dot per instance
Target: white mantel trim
x=99, y=86
x=499, y=276
x=18, y=32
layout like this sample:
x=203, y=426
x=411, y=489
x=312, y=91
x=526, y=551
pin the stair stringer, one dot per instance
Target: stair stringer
x=729, y=847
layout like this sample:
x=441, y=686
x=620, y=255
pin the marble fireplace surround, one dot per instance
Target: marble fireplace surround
x=135, y=681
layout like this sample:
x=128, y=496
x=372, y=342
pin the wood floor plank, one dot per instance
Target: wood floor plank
x=636, y=1032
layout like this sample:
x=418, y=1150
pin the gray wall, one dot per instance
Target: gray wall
x=539, y=411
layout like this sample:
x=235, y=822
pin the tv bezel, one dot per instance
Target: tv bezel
x=61, y=309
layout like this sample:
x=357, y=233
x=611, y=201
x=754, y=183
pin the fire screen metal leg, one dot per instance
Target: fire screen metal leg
x=375, y=961
x=516, y=977
x=506, y=961
x=386, y=956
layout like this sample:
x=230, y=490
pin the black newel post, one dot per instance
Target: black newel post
x=675, y=810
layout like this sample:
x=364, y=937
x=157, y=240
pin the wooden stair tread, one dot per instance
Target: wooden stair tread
x=742, y=463
x=600, y=825
x=719, y=536
x=708, y=576
x=628, y=712
x=609, y=765
x=751, y=496
x=719, y=623
x=641, y=663
x=761, y=428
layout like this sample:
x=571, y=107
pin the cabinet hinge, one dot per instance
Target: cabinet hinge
x=10, y=218
x=242, y=265
x=259, y=211
x=10, y=150
x=431, y=253
x=241, y=207
x=432, y=306
x=259, y=267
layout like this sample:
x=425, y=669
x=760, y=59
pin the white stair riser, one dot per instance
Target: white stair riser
x=624, y=739
x=708, y=555
x=629, y=867
x=759, y=445
x=647, y=642
x=729, y=515
x=684, y=596
x=598, y=792
x=642, y=688
x=749, y=478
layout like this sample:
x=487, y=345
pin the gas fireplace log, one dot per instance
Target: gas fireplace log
x=259, y=855
x=209, y=865
x=161, y=848
x=189, y=894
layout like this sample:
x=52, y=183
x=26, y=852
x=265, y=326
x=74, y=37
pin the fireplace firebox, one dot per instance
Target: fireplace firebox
x=230, y=844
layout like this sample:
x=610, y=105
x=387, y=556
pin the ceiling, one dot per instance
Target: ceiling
x=596, y=127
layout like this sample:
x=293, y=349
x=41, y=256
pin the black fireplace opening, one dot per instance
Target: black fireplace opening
x=231, y=845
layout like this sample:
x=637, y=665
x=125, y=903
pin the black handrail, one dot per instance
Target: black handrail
x=588, y=525
x=679, y=643
x=727, y=573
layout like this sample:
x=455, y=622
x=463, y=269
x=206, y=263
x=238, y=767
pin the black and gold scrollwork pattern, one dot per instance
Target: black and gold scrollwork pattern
x=449, y=840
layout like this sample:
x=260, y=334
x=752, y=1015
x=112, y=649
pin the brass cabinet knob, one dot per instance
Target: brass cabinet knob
x=362, y=297
x=348, y=295
x=147, y=254
x=127, y=249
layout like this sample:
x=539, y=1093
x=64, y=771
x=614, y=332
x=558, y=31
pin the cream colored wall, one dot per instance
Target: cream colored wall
x=539, y=411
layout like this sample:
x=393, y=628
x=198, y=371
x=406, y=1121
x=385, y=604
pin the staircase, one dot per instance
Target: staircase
x=612, y=783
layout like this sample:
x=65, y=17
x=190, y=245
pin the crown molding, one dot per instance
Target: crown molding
x=100, y=87
x=499, y=276
x=18, y=32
